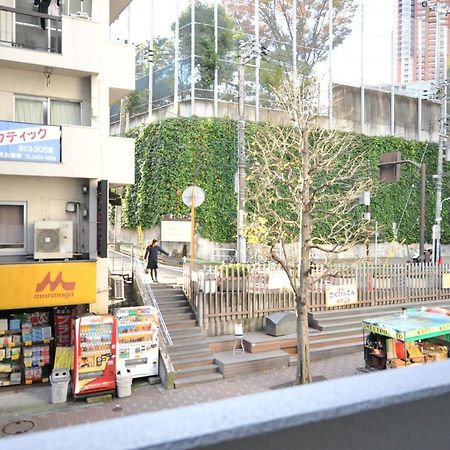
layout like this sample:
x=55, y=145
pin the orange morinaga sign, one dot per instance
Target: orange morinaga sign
x=47, y=281
x=47, y=284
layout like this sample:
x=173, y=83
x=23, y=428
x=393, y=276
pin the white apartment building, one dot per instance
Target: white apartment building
x=59, y=74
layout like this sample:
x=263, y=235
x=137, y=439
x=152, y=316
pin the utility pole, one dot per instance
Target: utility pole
x=441, y=94
x=150, y=66
x=242, y=183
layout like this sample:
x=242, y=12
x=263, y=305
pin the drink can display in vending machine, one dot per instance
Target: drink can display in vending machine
x=137, y=340
x=94, y=354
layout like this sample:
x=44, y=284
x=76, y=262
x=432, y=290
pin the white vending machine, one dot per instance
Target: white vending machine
x=137, y=340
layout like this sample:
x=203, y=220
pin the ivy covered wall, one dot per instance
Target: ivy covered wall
x=176, y=153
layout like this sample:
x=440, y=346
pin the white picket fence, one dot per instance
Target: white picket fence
x=221, y=295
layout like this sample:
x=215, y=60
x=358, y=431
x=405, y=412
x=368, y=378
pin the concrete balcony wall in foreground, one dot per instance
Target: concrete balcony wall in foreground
x=389, y=410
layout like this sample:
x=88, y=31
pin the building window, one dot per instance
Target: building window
x=48, y=111
x=13, y=228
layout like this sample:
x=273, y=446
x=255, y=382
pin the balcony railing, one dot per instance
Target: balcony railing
x=29, y=29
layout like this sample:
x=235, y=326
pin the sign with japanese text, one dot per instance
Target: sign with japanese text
x=446, y=281
x=47, y=284
x=346, y=294
x=30, y=142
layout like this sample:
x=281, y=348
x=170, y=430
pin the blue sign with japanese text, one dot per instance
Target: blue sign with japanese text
x=30, y=142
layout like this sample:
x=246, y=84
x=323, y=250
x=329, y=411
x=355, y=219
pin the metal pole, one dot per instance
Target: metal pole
x=150, y=66
x=294, y=38
x=330, y=64
x=216, y=49
x=192, y=57
x=437, y=56
x=193, y=228
x=258, y=60
x=176, y=66
x=241, y=243
x=423, y=190
x=440, y=164
x=420, y=84
x=363, y=118
x=376, y=242
x=393, y=76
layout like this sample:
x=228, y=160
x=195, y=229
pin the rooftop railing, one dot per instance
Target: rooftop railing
x=30, y=30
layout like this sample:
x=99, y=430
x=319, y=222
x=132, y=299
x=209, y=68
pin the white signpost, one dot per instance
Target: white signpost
x=346, y=294
x=193, y=196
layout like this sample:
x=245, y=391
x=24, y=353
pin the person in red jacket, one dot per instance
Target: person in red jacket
x=151, y=256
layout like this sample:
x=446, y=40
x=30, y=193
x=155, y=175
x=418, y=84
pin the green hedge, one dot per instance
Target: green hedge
x=177, y=153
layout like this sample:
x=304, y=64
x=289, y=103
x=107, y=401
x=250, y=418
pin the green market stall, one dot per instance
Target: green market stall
x=405, y=338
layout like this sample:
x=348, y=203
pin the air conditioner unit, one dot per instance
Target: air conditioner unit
x=117, y=287
x=53, y=240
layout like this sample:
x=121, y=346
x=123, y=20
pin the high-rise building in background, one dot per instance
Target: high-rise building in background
x=417, y=41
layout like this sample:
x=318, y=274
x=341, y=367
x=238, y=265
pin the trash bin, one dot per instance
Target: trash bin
x=124, y=381
x=59, y=379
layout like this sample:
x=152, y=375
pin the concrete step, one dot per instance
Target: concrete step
x=195, y=371
x=178, y=317
x=208, y=378
x=178, y=356
x=183, y=324
x=187, y=345
x=188, y=361
x=357, y=330
x=175, y=309
x=173, y=304
x=168, y=294
x=341, y=326
x=333, y=350
x=187, y=333
x=336, y=341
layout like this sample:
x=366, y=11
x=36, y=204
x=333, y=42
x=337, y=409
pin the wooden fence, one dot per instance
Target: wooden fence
x=222, y=296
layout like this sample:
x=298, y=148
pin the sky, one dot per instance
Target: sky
x=378, y=20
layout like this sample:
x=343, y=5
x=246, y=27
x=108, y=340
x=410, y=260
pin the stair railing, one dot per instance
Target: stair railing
x=148, y=296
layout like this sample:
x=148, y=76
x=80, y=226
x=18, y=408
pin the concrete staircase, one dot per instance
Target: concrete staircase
x=339, y=332
x=190, y=354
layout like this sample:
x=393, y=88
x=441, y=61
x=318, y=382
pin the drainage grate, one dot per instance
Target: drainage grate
x=18, y=427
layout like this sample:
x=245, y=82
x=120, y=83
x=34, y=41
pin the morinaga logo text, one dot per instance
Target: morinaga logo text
x=45, y=289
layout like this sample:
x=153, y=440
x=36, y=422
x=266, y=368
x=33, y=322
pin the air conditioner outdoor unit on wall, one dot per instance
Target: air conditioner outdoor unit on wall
x=53, y=239
x=117, y=287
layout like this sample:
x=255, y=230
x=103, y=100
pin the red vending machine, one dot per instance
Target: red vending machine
x=94, y=368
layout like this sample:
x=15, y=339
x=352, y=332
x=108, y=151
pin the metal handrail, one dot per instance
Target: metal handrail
x=149, y=297
x=51, y=31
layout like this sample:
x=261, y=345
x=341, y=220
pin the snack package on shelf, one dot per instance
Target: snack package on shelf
x=14, y=325
x=27, y=332
x=3, y=325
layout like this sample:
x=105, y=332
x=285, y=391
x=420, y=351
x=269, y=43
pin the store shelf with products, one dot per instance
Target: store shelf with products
x=25, y=347
x=10, y=355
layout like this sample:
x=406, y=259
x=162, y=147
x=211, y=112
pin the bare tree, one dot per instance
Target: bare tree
x=276, y=28
x=300, y=175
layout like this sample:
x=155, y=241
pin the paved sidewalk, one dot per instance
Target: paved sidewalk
x=32, y=404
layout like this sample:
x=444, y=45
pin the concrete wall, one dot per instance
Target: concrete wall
x=391, y=410
x=347, y=114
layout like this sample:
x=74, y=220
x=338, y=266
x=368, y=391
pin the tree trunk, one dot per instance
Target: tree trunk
x=303, y=359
